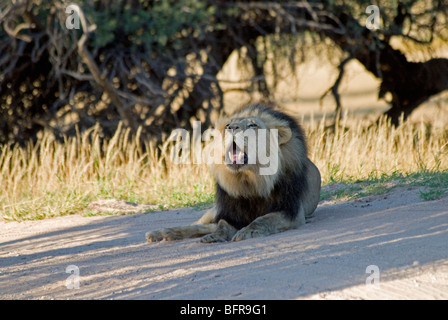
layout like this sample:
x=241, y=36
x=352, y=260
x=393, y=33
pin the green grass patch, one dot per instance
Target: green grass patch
x=434, y=185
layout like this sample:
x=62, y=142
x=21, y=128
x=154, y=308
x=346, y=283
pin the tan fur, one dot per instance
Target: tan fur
x=312, y=195
x=247, y=182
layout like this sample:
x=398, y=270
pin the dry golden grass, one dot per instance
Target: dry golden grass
x=52, y=178
x=361, y=151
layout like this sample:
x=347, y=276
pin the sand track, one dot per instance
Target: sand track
x=404, y=236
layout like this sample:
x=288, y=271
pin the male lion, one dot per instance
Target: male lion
x=250, y=204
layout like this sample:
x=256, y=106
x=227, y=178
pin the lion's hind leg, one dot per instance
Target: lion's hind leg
x=178, y=233
x=208, y=217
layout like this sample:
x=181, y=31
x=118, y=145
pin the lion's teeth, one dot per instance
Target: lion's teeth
x=236, y=157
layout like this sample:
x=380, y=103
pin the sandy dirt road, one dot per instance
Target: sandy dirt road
x=404, y=238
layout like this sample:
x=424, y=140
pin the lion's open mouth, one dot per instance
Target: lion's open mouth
x=236, y=156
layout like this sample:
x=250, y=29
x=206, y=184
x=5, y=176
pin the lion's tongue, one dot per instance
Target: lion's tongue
x=236, y=156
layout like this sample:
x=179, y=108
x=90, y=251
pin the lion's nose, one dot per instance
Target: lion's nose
x=233, y=126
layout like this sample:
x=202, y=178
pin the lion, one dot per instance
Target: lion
x=250, y=204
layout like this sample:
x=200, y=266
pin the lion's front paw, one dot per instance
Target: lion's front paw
x=154, y=236
x=168, y=234
x=212, y=237
x=247, y=233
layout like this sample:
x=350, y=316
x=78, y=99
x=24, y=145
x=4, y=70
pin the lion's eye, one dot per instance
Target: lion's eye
x=252, y=125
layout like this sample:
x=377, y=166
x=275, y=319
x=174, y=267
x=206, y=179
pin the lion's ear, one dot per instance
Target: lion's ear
x=221, y=123
x=284, y=134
